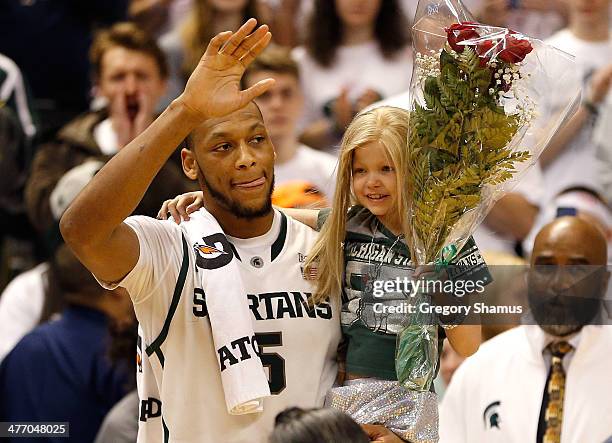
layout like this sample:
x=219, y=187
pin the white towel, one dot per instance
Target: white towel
x=244, y=381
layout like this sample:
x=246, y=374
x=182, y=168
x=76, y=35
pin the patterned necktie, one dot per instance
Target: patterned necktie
x=552, y=406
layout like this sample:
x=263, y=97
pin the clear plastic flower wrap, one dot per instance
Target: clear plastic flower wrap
x=481, y=114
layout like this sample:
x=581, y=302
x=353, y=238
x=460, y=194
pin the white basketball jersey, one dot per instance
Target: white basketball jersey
x=297, y=342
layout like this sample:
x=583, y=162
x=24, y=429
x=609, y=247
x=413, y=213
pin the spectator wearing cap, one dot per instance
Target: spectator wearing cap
x=61, y=371
x=34, y=296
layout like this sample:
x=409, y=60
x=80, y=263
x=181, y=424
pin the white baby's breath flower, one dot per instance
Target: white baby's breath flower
x=427, y=65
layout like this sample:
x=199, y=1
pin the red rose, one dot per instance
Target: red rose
x=483, y=49
x=515, y=49
x=459, y=32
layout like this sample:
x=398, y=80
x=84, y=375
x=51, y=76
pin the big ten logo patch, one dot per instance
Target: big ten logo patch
x=213, y=252
x=150, y=408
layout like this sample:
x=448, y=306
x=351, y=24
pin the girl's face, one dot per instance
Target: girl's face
x=357, y=12
x=374, y=180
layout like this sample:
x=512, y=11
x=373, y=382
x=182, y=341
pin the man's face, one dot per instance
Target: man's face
x=567, y=277
x=132, y=75
x=234, y=163
x=281, y=105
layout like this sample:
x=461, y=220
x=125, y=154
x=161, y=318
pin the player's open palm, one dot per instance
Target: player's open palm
x=213, y=90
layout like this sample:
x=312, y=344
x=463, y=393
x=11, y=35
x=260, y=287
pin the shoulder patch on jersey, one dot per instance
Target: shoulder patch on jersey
x=213, y=251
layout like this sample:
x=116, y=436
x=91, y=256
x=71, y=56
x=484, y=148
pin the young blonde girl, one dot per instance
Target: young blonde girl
x=362, y=244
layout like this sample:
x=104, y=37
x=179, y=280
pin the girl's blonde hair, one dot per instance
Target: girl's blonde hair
x=388, y=126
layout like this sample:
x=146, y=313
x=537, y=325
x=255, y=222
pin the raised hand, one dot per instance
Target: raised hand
x=213, y=90
x=128, y=126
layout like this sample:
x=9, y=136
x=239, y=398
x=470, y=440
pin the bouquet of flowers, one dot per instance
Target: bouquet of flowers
x=480, y=117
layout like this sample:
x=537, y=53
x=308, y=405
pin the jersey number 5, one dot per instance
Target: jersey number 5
x=273, y=361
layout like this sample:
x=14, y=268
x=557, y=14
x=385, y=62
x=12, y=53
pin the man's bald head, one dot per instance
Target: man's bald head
x=567, y=277
x=573, y=239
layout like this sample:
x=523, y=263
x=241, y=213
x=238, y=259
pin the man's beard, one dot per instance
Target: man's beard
x=235, y=207
x=562, y=314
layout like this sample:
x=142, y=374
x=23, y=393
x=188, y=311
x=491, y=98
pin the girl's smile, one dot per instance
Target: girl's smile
x=375, y=181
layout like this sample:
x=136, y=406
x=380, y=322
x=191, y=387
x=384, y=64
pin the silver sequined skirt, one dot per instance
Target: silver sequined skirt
x=411, y=415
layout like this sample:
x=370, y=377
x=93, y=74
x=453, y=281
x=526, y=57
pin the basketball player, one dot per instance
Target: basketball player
x=230, y=154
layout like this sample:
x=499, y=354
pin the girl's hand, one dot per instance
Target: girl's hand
x=429, y=273
x=181, y=206
x=465, y=338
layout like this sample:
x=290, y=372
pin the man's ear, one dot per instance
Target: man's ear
x=190, y=165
